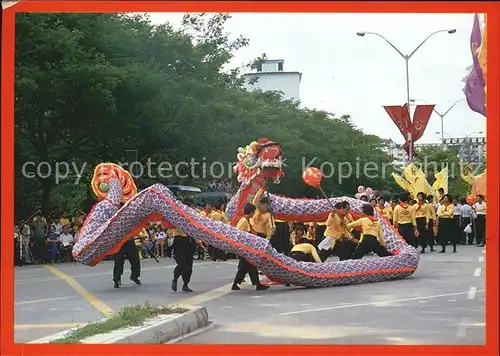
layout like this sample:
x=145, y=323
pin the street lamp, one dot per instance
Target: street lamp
x=439, y=114
x=407, y=57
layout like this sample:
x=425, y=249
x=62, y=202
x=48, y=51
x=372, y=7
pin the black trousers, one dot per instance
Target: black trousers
x=17, y=253
x=370, y=244
x=407, y=232
x=216, y=253
x=184, y=248
x=423, y=233
x=447, y=233
x=480, y=229
x=345, y=249
x=40, y=250
x=468, y=238
x=301, y=256
x=282, y=237
x=245, y=267
x=430, y=235
x=129, y=252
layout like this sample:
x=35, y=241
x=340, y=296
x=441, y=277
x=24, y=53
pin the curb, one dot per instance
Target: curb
x=157, y=330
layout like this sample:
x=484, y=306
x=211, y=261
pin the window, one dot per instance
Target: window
x=280, y=66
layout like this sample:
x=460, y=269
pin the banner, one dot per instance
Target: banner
x=421, y=118
x=467, y=174
x=482, y=54
x=475, y=85
x=399, y=115
x=403, y=183
x=441, y=180
x=479, y=186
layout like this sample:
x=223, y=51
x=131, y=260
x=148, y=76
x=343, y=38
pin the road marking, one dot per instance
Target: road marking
x=472, y=292
x=477, y=272
x=42, y=300
x=452, y=300
x=49, y=279
x=96, y=303
x=481, y=259
x=256, y=296
x=375, y=303
x=207, y=296
x=46, y=326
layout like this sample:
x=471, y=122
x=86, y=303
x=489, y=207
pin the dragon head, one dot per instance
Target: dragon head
x=259, y=159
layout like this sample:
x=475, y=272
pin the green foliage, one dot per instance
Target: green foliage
x=106, y=87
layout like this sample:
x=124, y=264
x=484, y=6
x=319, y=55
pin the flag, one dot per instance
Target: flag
x=482, y=54
x=421, y=118
x=401, y=118
x=479, y=186
x=403, y=183
x=416, y=177
x=474, y=87
x=441, y=180
x=467, y=174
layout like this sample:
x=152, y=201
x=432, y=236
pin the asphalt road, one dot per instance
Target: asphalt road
x=434, y=306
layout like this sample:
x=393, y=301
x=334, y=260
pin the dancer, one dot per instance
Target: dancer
x=127, y=251
x=404, y=220
x=262, y=222
x=422, y=218
x=432, y=222
x=480, y=220
x=380, y=207
x=303, y=250
x=244, y=266
x=372, y=239
x=447, y=230
x=184, y=248
x=337, y=236
x=218, y=215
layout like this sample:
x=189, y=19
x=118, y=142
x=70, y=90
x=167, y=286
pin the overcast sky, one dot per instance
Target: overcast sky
x=347, y=74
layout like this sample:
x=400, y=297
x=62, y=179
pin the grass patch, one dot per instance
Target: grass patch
x=129, y=316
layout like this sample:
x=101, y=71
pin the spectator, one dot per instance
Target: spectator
x=26, y=244
x=466, y=220
x=51, y=243
x=64, y=220
x=78, y=221
x=40, y=230
x=160, y=238
x=57, y=225
x=17, y=246
x=66, y=241
x=480, y=220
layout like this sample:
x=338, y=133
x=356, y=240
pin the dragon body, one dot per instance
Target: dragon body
x=121, y=213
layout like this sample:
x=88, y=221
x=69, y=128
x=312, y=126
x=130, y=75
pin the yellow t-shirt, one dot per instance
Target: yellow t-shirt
x=445, y=211
x=244, y=225
x=178, y=232
x=308, y=249
x=404, y=215
x=388, y=212
x=422, y=211
x=262, y=224
x=334, y=227
x=219, y=216
x=64, y=221
x=369, y=227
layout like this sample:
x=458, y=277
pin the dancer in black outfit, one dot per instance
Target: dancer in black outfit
x=127, y=251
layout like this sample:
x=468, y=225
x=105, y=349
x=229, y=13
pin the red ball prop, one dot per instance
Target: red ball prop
x=470, y=199
x=312, y=176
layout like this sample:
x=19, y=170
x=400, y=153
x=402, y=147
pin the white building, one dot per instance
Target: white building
x=271, y=76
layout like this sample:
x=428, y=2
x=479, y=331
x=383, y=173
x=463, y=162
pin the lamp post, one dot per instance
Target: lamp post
x=407, y=57
x=441, y=115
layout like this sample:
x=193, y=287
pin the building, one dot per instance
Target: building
x=470, y=149
x=271, y=76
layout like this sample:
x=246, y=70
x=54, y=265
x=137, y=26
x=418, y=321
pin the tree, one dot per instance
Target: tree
x=113, y=87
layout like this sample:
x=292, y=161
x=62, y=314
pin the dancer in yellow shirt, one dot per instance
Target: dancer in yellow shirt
x=422, y=218
x=372, y=238
x=303, y=250
x=244, y=266
x=446, y=227
x=404, y=220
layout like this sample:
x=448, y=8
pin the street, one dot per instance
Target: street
x=442, y=303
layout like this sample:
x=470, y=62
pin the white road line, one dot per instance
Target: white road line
x=481, y=259
x=477, y=272
x=49, y=279
x=376, y=303
x=43, y=300
x=472, y=292
x=452, y=300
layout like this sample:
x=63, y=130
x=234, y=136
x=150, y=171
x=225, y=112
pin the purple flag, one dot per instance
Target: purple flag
x=474, y=87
